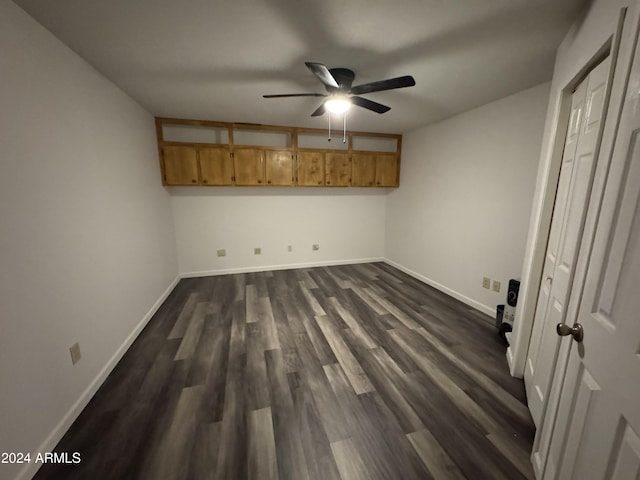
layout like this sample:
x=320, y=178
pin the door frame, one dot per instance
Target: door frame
x=549, y=173
x=540, y=327
x=621, y=45
x=540, y=451
x=623, y=51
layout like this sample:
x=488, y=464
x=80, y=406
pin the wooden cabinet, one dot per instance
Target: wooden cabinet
x=216, y=166
x=180, y=165
x=386, y=170
x=256, y=166
x=374, y=170
x=363, y=169
x=337, y=169
x=279, y=167
x=249, y=166
x=311, y=169
x=209, y=153
x=186, y=165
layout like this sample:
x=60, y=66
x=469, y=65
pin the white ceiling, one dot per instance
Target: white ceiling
x=214, y=60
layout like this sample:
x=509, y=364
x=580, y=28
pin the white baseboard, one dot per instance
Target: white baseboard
x=457, y=295
x=510, y=361
x=61, y=428
x=228, y=271
x=463, y=298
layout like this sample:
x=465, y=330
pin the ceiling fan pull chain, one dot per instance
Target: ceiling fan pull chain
x=344, y=127
x=329, y=139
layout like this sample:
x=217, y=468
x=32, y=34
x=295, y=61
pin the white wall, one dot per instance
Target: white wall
x=348, y=225
x=466, y=186
x=585, y=39
x=87, y=243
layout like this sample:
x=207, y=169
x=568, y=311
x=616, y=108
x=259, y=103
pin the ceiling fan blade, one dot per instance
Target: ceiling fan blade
x=390, y=84
x=323, y=73
x=295, y=95
x=319, y=111
x=370, y=105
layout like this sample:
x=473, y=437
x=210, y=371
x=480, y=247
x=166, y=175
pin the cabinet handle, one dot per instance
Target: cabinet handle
x=204, y=181
x=328, y=183
x=259, y=181
x=319, y=183
x=194, y=181
x=268, y=181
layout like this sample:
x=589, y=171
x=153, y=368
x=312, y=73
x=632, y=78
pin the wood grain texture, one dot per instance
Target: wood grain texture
x=349, y=462
x=262, y=460
x=344, y=372
x=434, y=456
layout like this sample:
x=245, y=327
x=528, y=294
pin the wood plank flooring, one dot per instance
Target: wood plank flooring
x=344, y=372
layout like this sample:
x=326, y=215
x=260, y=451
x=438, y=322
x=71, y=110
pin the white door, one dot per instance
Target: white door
x=597, y=429
x=574, y=186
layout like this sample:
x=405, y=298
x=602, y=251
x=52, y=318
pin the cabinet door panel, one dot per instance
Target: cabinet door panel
x=216, y=166
x=338, y=169
x=279, y=167
x=363, y=171
x=249, y=166
x=386, y=170
x=310, y=169
x=180, y=165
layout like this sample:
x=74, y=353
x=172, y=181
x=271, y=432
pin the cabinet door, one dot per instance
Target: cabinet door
x=310, y=169
x=180, y=165
x=363, y=171
x=216, y=166
x=338, y=169
x=279, y=167
x=386, y=170
x=249, y=166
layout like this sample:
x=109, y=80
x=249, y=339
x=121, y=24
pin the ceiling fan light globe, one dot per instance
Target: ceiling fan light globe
x=338, y=105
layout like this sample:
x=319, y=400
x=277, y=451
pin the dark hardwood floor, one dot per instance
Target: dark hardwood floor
x=346, y=372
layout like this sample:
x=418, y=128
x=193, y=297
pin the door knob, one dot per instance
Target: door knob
x=577, y=332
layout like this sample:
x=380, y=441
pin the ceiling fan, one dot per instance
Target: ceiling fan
x=341, y=95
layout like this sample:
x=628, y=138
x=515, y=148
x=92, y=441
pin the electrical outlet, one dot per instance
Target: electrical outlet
x=316, y=246
x=486, y=283
x=222, y=252
x=290, y=248
x=257, y=251
x=75, y=353
x=496, y=286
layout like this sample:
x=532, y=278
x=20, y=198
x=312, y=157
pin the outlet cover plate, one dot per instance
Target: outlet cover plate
x=486, y=283
x=496, y=286
x=222, y=252
x=257, y=251
x=316, y=246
